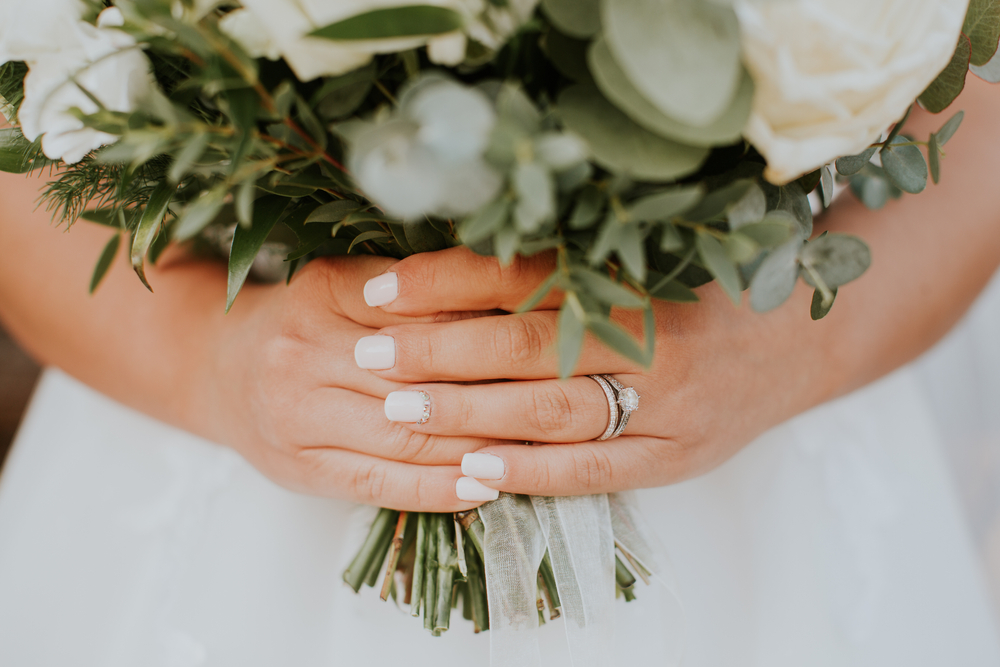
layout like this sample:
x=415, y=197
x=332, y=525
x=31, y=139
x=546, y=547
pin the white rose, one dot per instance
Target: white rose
x=31, y=29
x=282, y=27
x=101, y=60
x=831, y=75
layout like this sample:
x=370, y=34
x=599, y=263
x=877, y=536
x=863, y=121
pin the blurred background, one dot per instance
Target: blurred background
x=18, y=374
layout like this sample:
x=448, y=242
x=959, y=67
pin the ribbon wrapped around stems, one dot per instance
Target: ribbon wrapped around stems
x=581, y=534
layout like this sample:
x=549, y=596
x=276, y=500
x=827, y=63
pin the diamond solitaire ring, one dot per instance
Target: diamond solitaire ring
x=627, y=402
x=609, y=393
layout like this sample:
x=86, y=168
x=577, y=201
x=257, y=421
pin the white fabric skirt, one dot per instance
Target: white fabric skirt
x=856, y=534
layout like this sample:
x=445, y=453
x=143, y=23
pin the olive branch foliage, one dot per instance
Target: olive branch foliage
x=236, y=142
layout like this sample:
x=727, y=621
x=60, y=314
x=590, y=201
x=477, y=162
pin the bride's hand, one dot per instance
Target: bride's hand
x=294, y=404
x=711, y=388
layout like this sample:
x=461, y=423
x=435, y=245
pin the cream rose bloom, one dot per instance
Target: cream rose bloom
x=280, y=28
x=63, y=53
x=832, y=75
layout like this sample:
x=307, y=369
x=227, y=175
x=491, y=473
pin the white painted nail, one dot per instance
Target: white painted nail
x=483, y=466
x=473, y=491
x=382, y=289
x=375, y=353
x=411, y=407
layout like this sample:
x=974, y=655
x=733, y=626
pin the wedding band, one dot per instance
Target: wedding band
x=627, y=400
x=612, y=407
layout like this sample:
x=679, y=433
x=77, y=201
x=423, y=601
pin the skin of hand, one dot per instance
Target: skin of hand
x=721, y=375
x=274, y=379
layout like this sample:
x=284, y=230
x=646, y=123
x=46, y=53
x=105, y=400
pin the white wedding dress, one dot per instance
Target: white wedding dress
x=865, y=532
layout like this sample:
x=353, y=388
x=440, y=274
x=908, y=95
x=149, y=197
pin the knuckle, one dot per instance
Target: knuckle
x=551, y=408
x=412, y=446
x=369, y=482
x=592, y=469
x=415, y=350
x=519, y=339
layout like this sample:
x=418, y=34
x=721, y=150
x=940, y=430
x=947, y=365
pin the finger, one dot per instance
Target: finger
x=346, y=420
x=550, y=411
x=459, y=280
x=367, y=479
x=338, y=282
x=628, y=462
x=519, y=347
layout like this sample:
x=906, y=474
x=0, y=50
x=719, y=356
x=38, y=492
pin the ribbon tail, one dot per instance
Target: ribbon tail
x=580, y=539
x=514, y=546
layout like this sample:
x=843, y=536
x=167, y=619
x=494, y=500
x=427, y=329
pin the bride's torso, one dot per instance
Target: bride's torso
x=839, y=538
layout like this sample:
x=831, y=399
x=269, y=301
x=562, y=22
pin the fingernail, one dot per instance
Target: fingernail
x=473, y=491
x=375, y=353
x=382, y=289
x=412, y=407
x=483, y=466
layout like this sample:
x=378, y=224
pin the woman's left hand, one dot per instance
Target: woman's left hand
x=720, y=376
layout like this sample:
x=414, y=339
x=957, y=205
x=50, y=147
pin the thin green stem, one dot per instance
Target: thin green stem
x=419, y=565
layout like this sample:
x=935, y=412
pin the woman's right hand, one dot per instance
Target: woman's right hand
x=290, y=398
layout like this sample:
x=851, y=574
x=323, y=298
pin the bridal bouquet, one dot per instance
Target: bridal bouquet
x=652, y=145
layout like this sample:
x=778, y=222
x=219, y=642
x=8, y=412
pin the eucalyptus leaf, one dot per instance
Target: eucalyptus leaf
x=837, y=258
x=505, y=244
x=665, y=204
x=570, y=338
x=714, y=205
x=485, y=222
x=990, y=72
x=541, y=292
x=776, y=228
x=422, y=237
x=622, y=146
x=607, y=240
x=826, y=185
x=791, y=199
x=934, y=158
x=618, y=340
x=982, y=25
x=904, y=165
x=675, y=292
x=606, y=290
x=948, y=130
x=247, y=243
x=632, y=252
x=951, y=81
x=683, y=55
x=852, y=164
x=616, y=86
x=199, y=213
x=671, y=239
x=719, y=265
x=588, y=208
x=406, y=21
x=818, y=310
x=751, y=207
x=775, y=279
x=364, y=237
x=874, y=192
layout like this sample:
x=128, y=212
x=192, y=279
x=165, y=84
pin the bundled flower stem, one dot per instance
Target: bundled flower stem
x=429, y=551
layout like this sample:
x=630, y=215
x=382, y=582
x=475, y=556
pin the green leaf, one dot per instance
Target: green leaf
x=407, y=21
x=617, y=339
x=719, y=265
x=934, y=158
x=683, y=55
x=588, y=208
x=485, y=222
x=818, y=310
x=713, y=206
x=837, y=258
x=982, y=25
x=750, y=208
x=852, y=164
x=948, y=130
x=873, y=188
x=775, y=279
x=17, y=154
x=665, y=204
x=248, y=241
x=149, y=227
x=422, y=237
x=576, y=18
x=990, y=72
x=102, y=216
x=897, y=128
x=570, y=336
x=616, y=86
x=243, y=202
x=671, y=239
x=186, y=158
x=740, y=248
x=200, y=213
x=826, y=186
x=791, y=199
x=904, y=165
x=368, y=236
x=607, y=240
x=949, y=83
x=335, y=211
x=605, y=290
x=104, y=263
x=540, y=292
x=621, y=145
x=675, y=292
x=568, y=55
x=505, y=243
x=632, y=252
x=776, y=228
